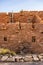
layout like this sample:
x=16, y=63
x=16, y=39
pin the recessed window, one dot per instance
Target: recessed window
x=33, y=39
x=19, y=26
x=29, y=19
x=33, y=26
x=5, y=38
x=41, y=32
x=7, y=22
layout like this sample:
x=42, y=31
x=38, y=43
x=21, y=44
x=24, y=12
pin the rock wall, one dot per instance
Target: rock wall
x=22, y=35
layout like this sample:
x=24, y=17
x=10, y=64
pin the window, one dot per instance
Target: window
x=41, y=32
x=33, y=39
x=33, y=26
x=19, y=26
x=29, y=19
x=5, y=38
x=8, y=22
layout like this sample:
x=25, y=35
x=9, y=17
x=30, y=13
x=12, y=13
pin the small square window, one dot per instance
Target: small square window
x=5, y=38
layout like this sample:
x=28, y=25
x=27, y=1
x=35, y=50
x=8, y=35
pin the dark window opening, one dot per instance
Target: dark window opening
x=7, y=22
x=41, y=32
x=19, y=26
x=29, y=19
x=33, y=26
x=5, y=38
x=33, y=39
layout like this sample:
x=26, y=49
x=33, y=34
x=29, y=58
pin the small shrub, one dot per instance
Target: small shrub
x=6, y=51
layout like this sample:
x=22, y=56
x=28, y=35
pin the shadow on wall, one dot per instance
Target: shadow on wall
x=24, y=48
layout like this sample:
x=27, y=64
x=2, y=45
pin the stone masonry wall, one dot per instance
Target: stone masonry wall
x=19, y=35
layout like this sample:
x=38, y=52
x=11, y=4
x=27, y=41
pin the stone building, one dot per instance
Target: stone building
x=22, y=31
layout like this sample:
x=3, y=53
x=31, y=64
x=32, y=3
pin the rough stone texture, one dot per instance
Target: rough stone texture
x=20, y=58
x=35, y=58
x=19, y=32
x=28, y=58
x=4, y=58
